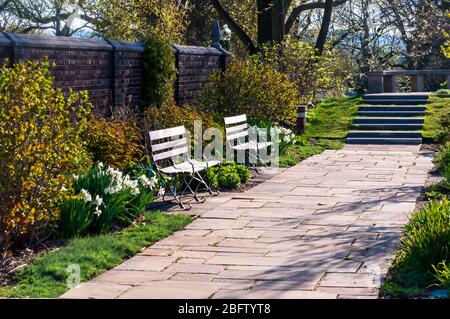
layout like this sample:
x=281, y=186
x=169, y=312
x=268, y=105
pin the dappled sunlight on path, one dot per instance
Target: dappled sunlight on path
x=325, y=228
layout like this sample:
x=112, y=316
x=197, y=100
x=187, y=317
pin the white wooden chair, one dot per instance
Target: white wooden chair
x=237, y=136
x=170, y=154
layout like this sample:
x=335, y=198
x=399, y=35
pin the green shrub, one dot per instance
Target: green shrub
x=443, y=158
x=442, y=274
x=171, y=115
x=443, y=133
x=254, y=88
x=427, y=236
x=76, y=218
x=102, y=197
x=115, y=143
x=39, y=143
x=159, y=71
x=227, y=176
x=441, y=92
x=311, y=73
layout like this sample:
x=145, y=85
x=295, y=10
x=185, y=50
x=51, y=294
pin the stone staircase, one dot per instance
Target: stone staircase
x=389, y=119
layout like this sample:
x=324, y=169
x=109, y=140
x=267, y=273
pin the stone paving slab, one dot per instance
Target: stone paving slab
x=325, y=228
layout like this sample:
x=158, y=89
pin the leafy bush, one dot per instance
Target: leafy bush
x=427, y=236
x=39, y=142
x=254, y=88
x=442, y=274
x=443, y=159
x=159, y=71
x=102, y=197
x=311, y=73
x=115, y=143
x=172, y=115
x=443, y=133
x=442, y=92
x=227, y=176
x=424, y=252
x=438, y=190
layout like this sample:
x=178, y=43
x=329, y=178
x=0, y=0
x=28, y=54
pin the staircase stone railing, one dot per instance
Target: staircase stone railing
x=386, y=81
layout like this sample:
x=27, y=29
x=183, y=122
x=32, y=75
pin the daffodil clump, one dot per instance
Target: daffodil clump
x=103, y=197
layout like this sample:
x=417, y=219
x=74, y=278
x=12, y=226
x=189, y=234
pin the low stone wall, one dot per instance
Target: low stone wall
x=111, y=71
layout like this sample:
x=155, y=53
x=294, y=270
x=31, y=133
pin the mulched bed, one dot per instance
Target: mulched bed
x=430, y=147
x=13, y=261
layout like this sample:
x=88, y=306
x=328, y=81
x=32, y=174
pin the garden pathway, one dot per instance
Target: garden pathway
x=325, y=228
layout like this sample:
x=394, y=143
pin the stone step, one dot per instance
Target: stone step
x=397, y=96
x=386, y=141
x=388, y=120
x=401, y=108
x=394, y=101
x=387, y=127
x=384, y=134
x=391, y=113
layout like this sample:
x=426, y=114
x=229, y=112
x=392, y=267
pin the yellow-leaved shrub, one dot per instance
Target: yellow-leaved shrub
x=117, y=143
x=252, y=87
x=39, y=143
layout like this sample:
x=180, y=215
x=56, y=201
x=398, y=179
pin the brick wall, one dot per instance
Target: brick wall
x=111, y=71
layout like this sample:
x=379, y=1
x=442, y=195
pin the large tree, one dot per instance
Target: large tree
x=116, y=19
x=276, y=18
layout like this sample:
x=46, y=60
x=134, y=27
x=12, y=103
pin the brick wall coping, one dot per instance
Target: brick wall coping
x=47, y=41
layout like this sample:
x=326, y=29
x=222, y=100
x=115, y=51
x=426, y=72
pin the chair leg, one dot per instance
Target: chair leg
x=194, y=193
x=208, y=187
x=173, y=193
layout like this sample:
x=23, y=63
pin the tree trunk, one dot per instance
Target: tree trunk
x=264, y=21
x=326, y=21
x=278, y=18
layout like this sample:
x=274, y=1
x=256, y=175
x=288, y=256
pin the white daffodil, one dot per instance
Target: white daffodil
x=86, y=196
x=98, y=201
x=98, y=211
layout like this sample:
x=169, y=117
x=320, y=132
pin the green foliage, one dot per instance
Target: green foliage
x=101, y=198
x=227, y=176
x=46, y=276
x=39, y=142
x=115, y=143
x=254, y=88
x=427, y=235
x=332, y=118
x=75, y=219
x=437, y=119
x=171, y=115
x=134, y=20
x=425, y=246
x=443, y=159
x=442, y=92
x=159, y=72
x=443, y=133
x=442, y=274
x=311, y=73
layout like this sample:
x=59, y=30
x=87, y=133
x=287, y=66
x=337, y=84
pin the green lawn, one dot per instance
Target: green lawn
x=332, y=118
x=46, y=277
x=436, y=109
x=327, y=127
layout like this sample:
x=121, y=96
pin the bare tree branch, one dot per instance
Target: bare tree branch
x=236, y=28
x=305, y=7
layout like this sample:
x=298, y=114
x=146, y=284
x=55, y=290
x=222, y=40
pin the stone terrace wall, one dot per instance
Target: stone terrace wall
x=109, y=70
